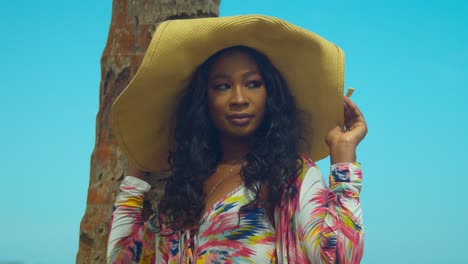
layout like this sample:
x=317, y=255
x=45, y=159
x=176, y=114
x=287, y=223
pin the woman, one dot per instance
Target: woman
x=240, y=189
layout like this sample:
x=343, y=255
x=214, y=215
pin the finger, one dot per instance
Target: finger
x=348, y=113
x=353, y=123
x=351, y=110
x=349, y=104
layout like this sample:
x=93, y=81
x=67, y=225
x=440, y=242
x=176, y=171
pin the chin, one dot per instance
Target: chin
x=240, y=133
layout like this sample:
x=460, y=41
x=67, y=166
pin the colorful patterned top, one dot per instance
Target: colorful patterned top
x=313, y=224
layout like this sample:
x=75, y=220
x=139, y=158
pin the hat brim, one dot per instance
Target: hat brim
x=142, y=115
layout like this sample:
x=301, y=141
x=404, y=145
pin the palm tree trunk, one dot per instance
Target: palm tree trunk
x=133, y=23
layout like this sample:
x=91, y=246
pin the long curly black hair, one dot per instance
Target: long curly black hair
x=273, y=159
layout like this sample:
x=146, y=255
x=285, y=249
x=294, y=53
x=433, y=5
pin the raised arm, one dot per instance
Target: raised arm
x=329, y=220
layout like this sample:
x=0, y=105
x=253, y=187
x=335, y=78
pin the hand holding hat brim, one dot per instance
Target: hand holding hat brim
x=343, y=141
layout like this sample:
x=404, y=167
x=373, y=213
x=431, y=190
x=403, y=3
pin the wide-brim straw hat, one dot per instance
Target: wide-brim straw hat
x=143, y=114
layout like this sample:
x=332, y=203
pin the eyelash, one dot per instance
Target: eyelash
x=256, y=84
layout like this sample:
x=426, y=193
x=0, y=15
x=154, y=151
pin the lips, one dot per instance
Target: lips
x=240, y=119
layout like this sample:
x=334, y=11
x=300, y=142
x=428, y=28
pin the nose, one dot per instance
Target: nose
x=239, y=97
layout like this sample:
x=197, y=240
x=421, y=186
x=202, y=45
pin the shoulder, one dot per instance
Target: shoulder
x=307, y=169
x=307, y=183
x=307, y=165
x=307, y=162
x=309, y=178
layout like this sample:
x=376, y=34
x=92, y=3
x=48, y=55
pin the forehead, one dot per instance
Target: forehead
x=232, y=62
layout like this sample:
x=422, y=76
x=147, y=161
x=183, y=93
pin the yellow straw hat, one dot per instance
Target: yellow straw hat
x=143, y=114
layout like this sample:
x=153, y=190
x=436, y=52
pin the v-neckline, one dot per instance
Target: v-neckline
x=219, y=201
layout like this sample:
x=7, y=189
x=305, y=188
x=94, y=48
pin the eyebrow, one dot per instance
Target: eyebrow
x=224, y=76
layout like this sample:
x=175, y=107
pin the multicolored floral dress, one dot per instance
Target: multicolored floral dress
x=313, y=224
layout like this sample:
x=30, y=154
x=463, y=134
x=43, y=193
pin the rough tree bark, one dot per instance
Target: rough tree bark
x=133, y=23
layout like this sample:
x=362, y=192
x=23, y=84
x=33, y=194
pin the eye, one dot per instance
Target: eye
x=254, y=84
x=221, y=87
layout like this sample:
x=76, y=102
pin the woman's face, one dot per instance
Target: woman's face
x=236, y=95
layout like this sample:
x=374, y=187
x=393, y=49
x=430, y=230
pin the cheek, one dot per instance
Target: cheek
x=263, y=100
x=215, y=111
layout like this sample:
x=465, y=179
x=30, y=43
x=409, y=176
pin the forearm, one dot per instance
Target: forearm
x=130, y=240
x=343, y=152
x=331, y=217
x=345, y=210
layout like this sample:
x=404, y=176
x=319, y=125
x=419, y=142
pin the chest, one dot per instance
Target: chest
x=227, y=236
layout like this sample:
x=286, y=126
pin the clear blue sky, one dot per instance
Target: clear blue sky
x=408, y=61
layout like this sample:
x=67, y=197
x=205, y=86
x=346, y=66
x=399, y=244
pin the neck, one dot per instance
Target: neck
x=234, y=150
